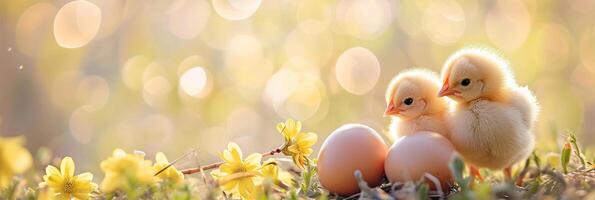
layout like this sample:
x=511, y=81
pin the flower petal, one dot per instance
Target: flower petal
x=82, y=196
x=160, y=158
x=281, y=128
x=226, y=156
x=118, y=153
x=235, y=151
x=67, y=167
x=87, y=176
x=83, y=187
x=54, y=181
x=62, y=196
x=254, y=159
x=307, y=138
x=51, y=170
x=227, y=168
x=246, y=188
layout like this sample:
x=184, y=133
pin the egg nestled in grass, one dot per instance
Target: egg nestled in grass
x=410, y=157
x=349, y=148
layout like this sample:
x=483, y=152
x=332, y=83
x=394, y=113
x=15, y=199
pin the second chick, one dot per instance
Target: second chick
x=413, y=105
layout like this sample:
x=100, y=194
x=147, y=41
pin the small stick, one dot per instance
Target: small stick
x=215, y=165
x=173, y=162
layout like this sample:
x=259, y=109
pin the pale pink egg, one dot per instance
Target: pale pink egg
x=412, y=156
x=349, y=148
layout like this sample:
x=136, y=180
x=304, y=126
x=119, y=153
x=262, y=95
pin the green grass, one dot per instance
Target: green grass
x=567, y=174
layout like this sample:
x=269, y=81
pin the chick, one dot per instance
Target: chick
x=413, y=105
x=492, y=118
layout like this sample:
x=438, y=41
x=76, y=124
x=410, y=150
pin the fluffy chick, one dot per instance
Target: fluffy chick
x=413, y=105
x=492, y=120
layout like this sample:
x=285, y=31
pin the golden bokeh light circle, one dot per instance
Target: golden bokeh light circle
x=444, y=22
x=194, y=82
x=364, y=19
x=187, y=18
x=132, y=71
x=294, y=94
x=507, y=24
x=236, y=9
x=357, y=70
x=76, y=24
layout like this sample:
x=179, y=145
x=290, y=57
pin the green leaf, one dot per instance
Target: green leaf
x=565, y=157
x=457, y=167
x=422, y=191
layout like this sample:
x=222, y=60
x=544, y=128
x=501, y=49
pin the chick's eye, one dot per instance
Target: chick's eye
x=465, y=82
x=408, y=101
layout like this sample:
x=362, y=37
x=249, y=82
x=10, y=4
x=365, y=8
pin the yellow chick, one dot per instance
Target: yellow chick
x=492, y=120
x=413, y=105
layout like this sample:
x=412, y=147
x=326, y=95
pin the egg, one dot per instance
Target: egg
x=349, y=148
x=412, y=156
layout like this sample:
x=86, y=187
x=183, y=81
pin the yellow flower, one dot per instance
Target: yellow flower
x=301, y=148
x=298, y=144
x=289, y=129
x=171, y=173
x=236, y=175
x=270, y=170
x=14, y=159
x=126, y=171
x=63, y=184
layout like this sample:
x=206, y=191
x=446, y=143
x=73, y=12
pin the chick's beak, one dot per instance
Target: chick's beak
x=445, y=91
x=391, y=109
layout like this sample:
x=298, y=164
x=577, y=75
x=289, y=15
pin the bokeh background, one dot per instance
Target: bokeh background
x=84, y=77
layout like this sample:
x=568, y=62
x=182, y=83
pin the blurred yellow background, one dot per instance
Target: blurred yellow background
x=84, y=77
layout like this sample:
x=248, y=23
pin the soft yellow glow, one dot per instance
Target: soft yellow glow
x=93, y=92
x=314, y=16
x=81, y=125
x=187, y=18
x=33, y=28
x=236, y=9
x=405, y=11
x=132, y=71
x=190, y=62
x=156, y=129
x=357, y=70
x=444, y=22
x=280, y=86
x=587, y=50
x=243, y=59
x=305, y=101
x=244, y=121
x=246, y=66
x=365, y=19
x=61, y=90
x=155, y=90
x=76, y=24
x=243, y=50
x=294, y=94
x=554, y=46
x=194, y=81
x=508, y=24
x=315, y=47
x=157, y=86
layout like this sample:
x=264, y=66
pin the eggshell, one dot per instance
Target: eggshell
x=425, y=152
x=349, y=148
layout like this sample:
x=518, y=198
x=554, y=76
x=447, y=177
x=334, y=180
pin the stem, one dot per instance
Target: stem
x=216, y=165
x=577, y=150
